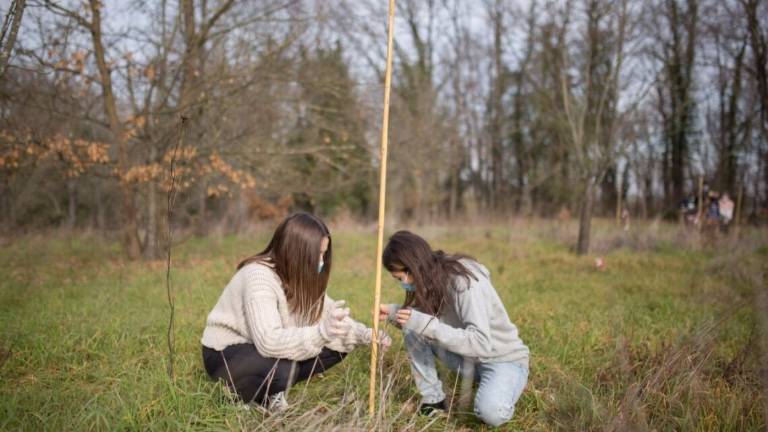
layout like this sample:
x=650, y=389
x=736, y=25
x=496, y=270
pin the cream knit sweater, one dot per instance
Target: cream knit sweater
x=253, y=309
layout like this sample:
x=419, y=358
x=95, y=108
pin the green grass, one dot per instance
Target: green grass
x=665, y=339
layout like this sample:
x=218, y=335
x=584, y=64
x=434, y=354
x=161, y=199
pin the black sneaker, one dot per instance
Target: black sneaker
x=432, y=409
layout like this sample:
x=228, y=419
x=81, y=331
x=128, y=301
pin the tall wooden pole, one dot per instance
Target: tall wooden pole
x=382, y=197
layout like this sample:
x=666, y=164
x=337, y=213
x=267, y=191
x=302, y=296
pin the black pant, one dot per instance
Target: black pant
x=254, y=377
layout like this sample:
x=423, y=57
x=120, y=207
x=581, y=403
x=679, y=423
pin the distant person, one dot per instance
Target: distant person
x=453, y=313
x=274, y=325
x=713, y=209
x=625, y=218
x=726, y=207
x=689, y=209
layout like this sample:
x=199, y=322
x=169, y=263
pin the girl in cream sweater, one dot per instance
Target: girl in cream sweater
x=273, y=324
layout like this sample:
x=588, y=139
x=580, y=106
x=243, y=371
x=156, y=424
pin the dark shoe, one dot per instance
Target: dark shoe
x=432, y=409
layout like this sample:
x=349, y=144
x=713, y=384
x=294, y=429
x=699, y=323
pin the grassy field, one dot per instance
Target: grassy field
x=666, y=338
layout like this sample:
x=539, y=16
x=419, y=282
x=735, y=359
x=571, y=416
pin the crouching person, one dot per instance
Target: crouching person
x=452, y=313
x=273, y=324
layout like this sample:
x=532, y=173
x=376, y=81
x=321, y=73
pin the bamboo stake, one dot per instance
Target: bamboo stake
x=382, y=197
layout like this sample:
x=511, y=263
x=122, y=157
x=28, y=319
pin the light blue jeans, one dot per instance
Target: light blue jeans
x=500, y=384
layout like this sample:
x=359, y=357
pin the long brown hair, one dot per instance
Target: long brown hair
x=294, y=251
x=434, y=272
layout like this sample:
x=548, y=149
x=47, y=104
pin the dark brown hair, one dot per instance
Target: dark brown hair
x=434, y=272
x=294, y=251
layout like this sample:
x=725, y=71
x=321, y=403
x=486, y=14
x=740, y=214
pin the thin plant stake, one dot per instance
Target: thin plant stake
x=382, y=196
x=172, y=191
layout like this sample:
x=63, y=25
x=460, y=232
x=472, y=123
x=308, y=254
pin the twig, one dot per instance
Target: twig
x=169, y=242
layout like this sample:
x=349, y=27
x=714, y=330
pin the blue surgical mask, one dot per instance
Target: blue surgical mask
x=407, y=286
x=320, y=267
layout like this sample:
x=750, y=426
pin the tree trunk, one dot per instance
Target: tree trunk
x=242, y=213
x=189, y=61
x=453, y=183
x=666, y=180
x=564, y=182
x=101, y=217
x=17, y=10
x=676, y=105
x=6, y=207
x=764, y=162
x=678, y=173
x=11, y=210
x=496, y=115
x=202, y=210
x=4, y=210
x=585, y=220
x=647, y=186
x=519, y=146
x=609, y=190
x=131, y=242
x=71, y=203
x=759, y=45
x=151, y=251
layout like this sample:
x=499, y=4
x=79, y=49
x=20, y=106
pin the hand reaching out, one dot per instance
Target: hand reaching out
x=383, y=338
x=402, y=316
x=383, y=312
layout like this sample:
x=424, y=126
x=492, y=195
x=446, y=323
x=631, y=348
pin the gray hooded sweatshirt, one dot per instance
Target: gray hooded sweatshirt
x=473, y=323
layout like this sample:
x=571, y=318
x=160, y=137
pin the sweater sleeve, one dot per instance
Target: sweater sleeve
x=474, y=340
x=266, y=328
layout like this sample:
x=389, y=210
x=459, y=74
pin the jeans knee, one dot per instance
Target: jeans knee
x=493, y=413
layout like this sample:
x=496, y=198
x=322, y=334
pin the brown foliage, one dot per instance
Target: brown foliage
x=261, y=209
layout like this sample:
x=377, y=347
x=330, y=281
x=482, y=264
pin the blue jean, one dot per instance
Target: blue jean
x=500, y=384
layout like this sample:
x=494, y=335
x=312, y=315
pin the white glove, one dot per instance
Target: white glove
x=384, y=340
x=332, y=324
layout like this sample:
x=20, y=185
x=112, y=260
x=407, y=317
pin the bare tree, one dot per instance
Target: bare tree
x=730, y=122
x=10, y=30
x=592, y=118
x=758, y=42
x=495, y=111
x=676, y=42
x=129, y=212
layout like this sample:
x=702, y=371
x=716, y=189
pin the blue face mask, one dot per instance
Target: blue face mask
x=320, y=267
x=407, y=286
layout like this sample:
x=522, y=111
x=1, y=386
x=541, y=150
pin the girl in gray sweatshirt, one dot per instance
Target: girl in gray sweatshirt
x=453, y=313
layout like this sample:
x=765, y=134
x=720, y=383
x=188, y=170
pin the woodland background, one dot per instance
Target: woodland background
x=500, y=108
